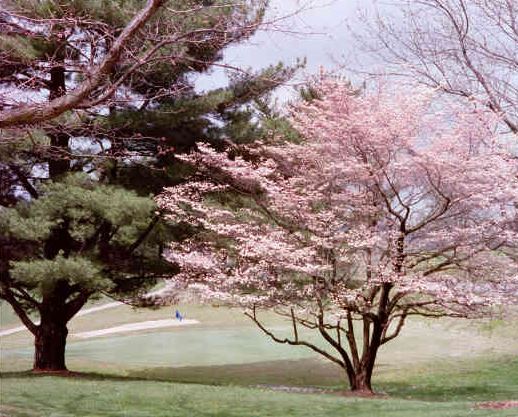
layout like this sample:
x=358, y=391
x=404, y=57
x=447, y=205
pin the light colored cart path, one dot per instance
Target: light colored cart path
x=81, y=313
x=130, y=327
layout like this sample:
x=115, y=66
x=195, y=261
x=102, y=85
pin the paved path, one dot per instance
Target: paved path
x=83, y=312
x=143, y=325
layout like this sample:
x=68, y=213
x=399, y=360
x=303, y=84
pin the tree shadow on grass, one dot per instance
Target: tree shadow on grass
x=462, y=381
x=301, y=372
x=469, y=381
x=68, y=374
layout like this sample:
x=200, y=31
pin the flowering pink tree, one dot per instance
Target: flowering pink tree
x=389, y=208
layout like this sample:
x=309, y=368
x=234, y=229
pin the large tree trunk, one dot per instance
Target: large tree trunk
x=49, y=346
x=360, y=371
x=360, y=382
x=59, y=161
x=360, y=374
x=359, y=378
x=363, y=375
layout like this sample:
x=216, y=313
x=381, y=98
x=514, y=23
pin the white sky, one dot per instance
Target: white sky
x=318, y=33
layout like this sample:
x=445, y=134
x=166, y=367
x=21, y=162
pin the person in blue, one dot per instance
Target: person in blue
x=178, y=315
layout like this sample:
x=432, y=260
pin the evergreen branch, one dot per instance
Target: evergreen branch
x=32, y=114
x=22, y=293
x=8, y=296
x=144, y=234
x=74, y=305
x=24, y=181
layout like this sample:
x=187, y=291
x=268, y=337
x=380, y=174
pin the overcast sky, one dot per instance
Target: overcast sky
x=318, y=33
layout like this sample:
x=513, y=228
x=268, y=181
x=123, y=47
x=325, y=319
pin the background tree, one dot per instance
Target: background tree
x=128, y=72
x=388, y=208
x=463, y=48
x=109, y=45
x=144, y=104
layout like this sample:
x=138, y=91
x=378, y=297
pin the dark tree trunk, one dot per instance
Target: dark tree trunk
x=364, y=374
x=360, y=380
x=59, y=161
x=360, y=373
x=49, y=346
x=362, y=383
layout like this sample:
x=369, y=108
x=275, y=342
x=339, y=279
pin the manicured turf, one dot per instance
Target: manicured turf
x=435, y=394
x=436, y=369
x=227, y=337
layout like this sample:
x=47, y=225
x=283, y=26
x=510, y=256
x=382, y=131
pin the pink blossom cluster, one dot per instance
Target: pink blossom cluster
x=388, y=193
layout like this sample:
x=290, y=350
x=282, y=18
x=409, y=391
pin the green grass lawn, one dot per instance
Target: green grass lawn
x=430, y=394
x=225, y=367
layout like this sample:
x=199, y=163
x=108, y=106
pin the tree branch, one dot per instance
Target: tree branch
x=8, y=296
x=397, y=330
x=144, y=234
x=32, y=114
x=24, y=181
x=74, y=305
x=322, y=352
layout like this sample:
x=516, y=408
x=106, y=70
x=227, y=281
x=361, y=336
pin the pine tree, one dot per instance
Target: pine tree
x=78, y=239
x=76, y=217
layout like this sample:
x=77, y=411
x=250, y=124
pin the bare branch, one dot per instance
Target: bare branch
x=8, y=296
x=322, y=352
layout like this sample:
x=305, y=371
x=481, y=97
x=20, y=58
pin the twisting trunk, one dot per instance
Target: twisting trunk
x=359, y=370
x=360, y=377
x=361, y=382
x=49, y=343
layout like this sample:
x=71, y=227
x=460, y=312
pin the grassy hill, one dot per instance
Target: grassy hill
x=223, y=366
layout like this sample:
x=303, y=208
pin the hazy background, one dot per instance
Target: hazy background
x=317, y=31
